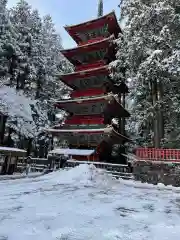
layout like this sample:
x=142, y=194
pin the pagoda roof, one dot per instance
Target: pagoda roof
x=92, y=78
x=84, y=73
x=107, y=22
x=82, y=100
x=84, y=54
x=89, y=136
x=78, y=130
x=96, y=105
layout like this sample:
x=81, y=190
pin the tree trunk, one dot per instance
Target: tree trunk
x=123, y=120
x=120, y=119
x=3, y=120
x=10, y=142
x=156, y=119
x=29, y=146
x=52, y=143
x=12, y=67
x=160, y=113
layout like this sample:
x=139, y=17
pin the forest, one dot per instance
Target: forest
x=148, y=51
x=30, y=65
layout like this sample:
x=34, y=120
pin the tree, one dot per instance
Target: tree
x=30, y=62
x=20, y=18
x=8, y=56
x=149, y=50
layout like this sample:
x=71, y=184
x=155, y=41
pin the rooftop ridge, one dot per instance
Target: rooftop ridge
x=92, y=20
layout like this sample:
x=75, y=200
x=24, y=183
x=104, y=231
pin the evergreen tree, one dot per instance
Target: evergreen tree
x=8, y=47
x=20, y=18
x=149, y=51
x=30, y=62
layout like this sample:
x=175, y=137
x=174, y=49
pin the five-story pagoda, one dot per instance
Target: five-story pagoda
x=95, y=99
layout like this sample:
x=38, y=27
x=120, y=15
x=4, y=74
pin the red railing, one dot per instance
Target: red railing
x=90, y=66
x=87, y=93
x=155, y=154
x=78, y=120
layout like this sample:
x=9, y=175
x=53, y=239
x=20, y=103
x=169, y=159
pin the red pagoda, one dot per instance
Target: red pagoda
x=95, y=99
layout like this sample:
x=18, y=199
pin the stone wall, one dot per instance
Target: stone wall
x=157, y=172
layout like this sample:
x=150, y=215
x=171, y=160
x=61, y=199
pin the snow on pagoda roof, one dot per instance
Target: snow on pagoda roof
x=76, y=152
x=84, y=130
x=79, y=100
x=112, y=105
x=87, y=45
x=93, y=20
x=86, y=71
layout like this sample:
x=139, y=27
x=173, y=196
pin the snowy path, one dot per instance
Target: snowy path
x=84, y=203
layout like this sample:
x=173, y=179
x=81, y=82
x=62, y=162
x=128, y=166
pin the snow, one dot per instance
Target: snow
x=77, y=130
x=79, y=100
x=87, y=45
x=86, y=203
x=8, y=149
x=97, y=163
x=14, y=104
x=108, y=16
x=18, y=109
x=79, y=152
x=20, y=175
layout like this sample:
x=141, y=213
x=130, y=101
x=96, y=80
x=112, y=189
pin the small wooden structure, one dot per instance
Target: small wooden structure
x=9, y=158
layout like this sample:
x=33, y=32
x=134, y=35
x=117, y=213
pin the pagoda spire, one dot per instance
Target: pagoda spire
x=100, y=8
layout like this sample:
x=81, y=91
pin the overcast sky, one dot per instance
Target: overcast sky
x=67, y=12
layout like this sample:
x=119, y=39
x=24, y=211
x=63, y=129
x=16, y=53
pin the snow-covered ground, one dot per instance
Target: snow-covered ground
x=84, y=203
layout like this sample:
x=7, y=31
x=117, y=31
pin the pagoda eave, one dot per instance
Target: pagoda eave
x=75, y=127
x=90, y=137
x=109, y=22
x=83, y=100
x=93, y=52
x=76, y=131
x=116, y=136
x=106, y=105
x=93, y=78
x=91, y=46
x=86, y=137
x=115, y=109
x=85, y=73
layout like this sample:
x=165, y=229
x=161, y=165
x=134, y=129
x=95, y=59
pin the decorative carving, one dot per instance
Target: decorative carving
x=85, y=83
x=82, y=138
x=94, y=33
x=110, y=97
x=88, y=109
x=108, y=129
x=90, y=56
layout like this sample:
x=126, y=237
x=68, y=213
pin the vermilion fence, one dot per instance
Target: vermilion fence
x=155, y=154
